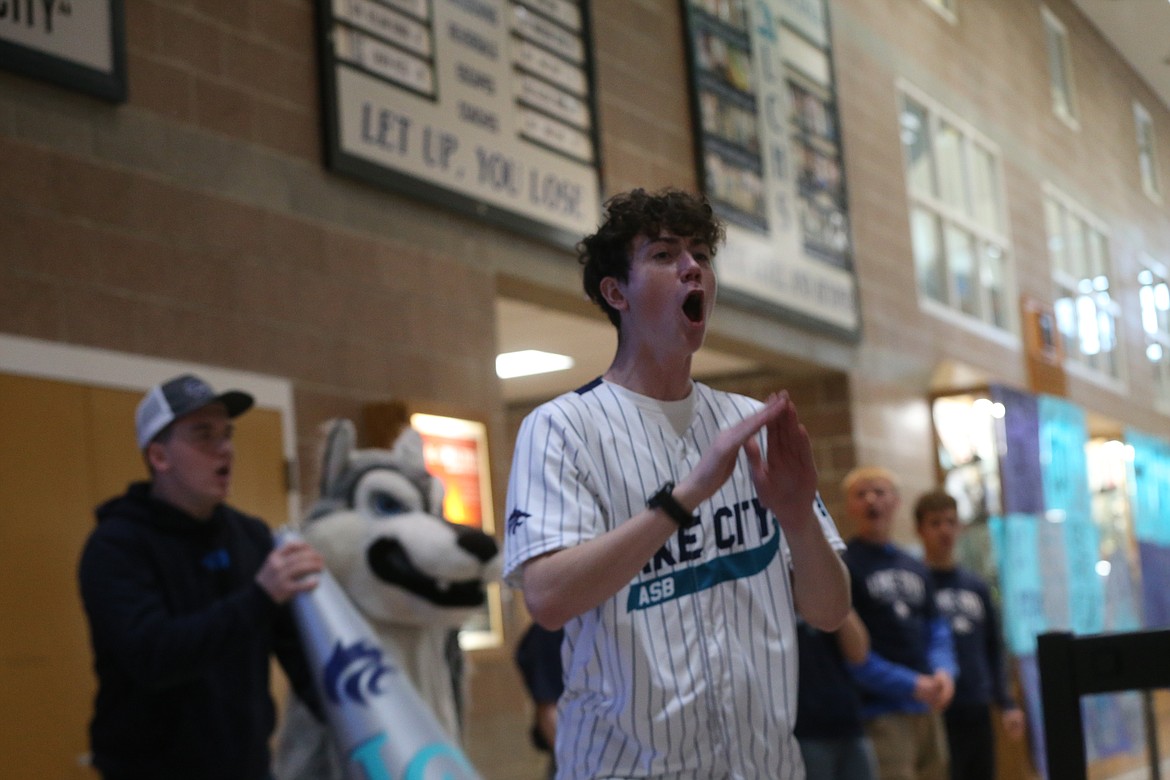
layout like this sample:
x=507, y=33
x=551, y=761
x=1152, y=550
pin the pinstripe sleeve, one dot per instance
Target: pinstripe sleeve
x=550, y=504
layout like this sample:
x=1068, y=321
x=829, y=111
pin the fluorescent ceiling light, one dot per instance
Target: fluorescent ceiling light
x=530, y=361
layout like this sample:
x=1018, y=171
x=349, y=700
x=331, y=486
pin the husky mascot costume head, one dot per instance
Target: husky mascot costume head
x=413, y=575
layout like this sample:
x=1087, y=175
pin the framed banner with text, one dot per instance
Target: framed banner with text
x=769, y=155
x=482, y=106
x=78, y=45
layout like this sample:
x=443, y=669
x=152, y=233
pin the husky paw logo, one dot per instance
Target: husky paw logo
x=355, y=672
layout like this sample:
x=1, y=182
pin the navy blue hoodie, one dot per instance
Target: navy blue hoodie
x=181, y=637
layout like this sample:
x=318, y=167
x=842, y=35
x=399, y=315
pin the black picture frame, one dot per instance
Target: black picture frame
x=729, y=152
x=108, y=85
x=339, y=160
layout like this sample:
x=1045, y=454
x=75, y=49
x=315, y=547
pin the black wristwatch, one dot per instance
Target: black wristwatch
x=664, y=499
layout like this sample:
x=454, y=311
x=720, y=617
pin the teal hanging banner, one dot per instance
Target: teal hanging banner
x=1064, y=470
x=1086, y=585
x=1014, y=539
x=1151, y=487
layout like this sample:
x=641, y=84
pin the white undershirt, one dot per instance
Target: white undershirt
x=679, y=413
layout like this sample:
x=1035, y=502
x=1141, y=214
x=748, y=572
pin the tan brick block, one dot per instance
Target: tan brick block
x=29, y=306
x=224, y=108
x=231, y=225
x=163, y=87
x=92, y=191
x=292, y=130
x=143, y=35
x=26, y=173
x=352, y=257
x=230, y=13
x=272, y=73
x=293, y=241
x=97, y=317
x=190, y=41
x=288, y=24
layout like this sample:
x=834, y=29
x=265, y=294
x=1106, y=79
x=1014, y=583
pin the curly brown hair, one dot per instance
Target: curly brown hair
x=638, y=212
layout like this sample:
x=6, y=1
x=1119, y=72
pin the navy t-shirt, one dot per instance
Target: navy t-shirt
x=828, y=703
x=965, y=601
x=538, y=656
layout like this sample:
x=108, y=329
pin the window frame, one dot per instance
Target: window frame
x=1068, y=283
x=985, y=228
x=1064, y=95
x=1147, y=155
x=1159, y=275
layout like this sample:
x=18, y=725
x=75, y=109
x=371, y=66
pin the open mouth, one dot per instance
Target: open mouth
x=693, y=306
x=391, y=563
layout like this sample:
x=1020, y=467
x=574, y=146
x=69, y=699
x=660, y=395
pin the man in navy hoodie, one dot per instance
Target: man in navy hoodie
x=907, y=680
x=185, y=600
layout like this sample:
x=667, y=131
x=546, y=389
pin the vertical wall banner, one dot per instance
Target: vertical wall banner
x=1155, y=560
x=1063, y=436
x=1150, y=478
x=482, y=106
x=79, y=44
x=1150, y=486
x=1015, y=540
x=1019, y=437
x=769, y=153
x=1086, y=586
x=1122, y=604
x=1052, y=564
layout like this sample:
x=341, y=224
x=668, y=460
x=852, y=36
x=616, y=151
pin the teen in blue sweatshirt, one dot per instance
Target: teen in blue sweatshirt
x=965, y=601
x=907, y=680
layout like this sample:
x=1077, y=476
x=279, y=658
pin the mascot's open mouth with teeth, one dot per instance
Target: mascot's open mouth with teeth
x=391, y=563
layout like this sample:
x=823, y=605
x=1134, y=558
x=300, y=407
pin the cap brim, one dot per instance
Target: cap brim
x=235, y=401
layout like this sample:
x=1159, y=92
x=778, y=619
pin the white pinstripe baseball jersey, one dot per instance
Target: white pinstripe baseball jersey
x=690, y=670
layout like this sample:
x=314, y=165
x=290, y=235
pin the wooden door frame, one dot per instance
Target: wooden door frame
x=42, y=359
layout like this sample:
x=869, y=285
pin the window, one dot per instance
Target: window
x=1086, y=312
x=1154, y=298
x=957, y=225
x=1147, y=157
x=1064, y=99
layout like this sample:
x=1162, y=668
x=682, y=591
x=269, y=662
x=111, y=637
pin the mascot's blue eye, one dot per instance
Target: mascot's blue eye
x=386, y=505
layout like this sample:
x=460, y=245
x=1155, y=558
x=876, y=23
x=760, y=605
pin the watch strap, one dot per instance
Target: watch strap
x=664, y=499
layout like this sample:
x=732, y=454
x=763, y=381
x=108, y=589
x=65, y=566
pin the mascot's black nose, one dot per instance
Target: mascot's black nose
x=479, y=544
